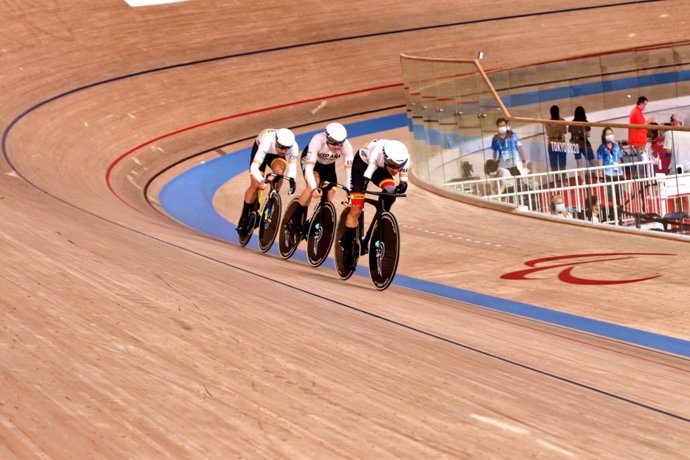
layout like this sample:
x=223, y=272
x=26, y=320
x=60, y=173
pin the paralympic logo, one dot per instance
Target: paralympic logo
x=571, y=261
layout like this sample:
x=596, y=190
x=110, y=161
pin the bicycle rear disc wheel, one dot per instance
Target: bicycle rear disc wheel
x=269, y=222
x=343, y=272
x=384, y=251
x=288, y=241
x=321, y=234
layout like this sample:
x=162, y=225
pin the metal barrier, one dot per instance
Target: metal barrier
x=636, y=199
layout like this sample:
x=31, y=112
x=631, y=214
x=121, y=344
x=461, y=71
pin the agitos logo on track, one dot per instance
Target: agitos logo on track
x=566, y=269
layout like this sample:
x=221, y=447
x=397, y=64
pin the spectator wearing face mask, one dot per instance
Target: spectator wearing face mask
x=507, y=148
x=557, y=207
x=609, y=155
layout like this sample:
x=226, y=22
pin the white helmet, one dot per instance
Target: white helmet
x=335, y=132
x=285, y=137
x=396, y=154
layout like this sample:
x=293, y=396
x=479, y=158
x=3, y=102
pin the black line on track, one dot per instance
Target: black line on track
x=431, y=334
x=336, y=302
x=293, y=46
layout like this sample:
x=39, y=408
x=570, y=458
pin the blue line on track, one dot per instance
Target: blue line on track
x=189, y=199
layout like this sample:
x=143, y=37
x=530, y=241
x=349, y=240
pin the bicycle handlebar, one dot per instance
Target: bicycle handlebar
x=385, y=193
x=326, y=186
x=270, y=177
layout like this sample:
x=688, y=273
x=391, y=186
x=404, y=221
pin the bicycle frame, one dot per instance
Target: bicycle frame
x=379, y=204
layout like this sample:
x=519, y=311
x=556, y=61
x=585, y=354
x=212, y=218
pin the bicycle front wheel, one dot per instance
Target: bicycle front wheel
x=321, y=234
x=384, y=251
x=289, y=239
x=269, y=222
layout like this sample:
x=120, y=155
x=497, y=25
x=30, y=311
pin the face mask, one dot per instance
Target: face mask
x=609, y=138
x=560, y=207
x=502, y=129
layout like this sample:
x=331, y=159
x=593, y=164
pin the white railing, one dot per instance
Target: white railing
x=637, y=199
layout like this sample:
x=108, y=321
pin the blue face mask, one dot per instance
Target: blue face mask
x=560, y=207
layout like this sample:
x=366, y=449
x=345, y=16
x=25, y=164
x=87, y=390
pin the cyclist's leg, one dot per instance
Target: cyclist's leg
x=384, y=179
x=356, y=197
x=250, y=194
x=278, y=166
x=327, y=173
x=388, y=185
x=305, y=196
x=305, y=199
x=356, y=207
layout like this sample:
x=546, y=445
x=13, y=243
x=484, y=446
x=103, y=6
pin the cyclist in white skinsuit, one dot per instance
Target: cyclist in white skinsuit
x=380, y=161
x=318, y=163
x=276, y=148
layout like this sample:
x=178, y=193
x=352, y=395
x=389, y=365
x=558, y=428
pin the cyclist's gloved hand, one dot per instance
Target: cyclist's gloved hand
x=293, y=186
x=401, y=188
x=365, y=183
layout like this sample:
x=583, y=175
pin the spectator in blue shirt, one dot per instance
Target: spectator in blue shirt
x=507, y=148
x=609, y=154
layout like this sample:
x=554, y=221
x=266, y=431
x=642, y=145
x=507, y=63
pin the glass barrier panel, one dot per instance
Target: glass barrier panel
x=453, y=114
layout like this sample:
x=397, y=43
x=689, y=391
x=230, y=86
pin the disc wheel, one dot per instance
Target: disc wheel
x=384, y=251
x=321, y=234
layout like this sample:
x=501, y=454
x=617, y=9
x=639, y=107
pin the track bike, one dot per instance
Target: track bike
x=265, y=213
x=318, y=230
x=381, y=242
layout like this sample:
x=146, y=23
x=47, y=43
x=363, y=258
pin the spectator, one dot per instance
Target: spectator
x=506, y=182
x=507, y=148
x=579, y=135
x=609, y=154
x=660, y=158
x=557, y=146
x=593, y=212
x=637, y=137
x=557, y=207
x=677, y=146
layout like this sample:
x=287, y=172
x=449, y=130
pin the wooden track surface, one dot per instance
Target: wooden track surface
x=127, y=335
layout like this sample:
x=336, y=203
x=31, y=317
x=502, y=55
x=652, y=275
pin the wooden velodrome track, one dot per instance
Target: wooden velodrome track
x=127, y=335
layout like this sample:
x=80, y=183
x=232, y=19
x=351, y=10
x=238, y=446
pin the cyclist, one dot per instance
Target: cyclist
x=276, y=148
x=381, y=160
x=318, y=164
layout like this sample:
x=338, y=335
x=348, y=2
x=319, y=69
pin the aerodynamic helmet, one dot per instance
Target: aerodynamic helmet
x=335, y=133
x=284, y=138
x=396, y=154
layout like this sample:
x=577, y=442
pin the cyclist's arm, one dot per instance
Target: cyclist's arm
x=310, y=162
x=256, y=164
x=291, y=157
x=375, y=154
x=348, y=156
x=405, y=170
